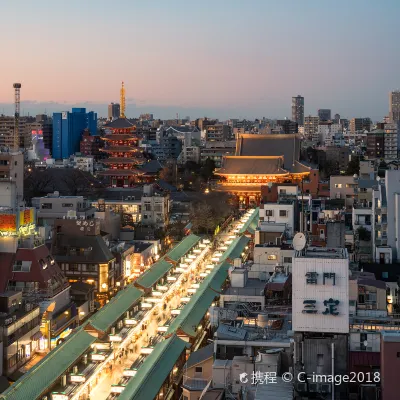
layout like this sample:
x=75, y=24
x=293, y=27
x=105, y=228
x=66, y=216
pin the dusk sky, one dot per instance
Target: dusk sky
x=226, y=58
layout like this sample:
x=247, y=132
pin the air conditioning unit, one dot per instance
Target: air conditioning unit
x=325, y=388
x=301, y=387
x=313, y=387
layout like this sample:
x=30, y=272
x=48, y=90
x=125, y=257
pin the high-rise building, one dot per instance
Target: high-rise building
x=113, y=111
x=324, y=114
x=311, y=126
x=394, y=106
x=336, y=118
x=298, y=109
x=360, y=125
x=68, y=128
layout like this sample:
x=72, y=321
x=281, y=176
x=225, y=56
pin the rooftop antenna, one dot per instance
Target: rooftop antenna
x=17, y=101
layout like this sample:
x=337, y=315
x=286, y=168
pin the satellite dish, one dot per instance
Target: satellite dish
x=299, y=241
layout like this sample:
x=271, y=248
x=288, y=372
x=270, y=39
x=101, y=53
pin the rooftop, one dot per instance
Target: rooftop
x=321, y=252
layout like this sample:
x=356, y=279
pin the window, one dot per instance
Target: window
x=199, y=369
x=91, y=267
x=321, y=231
x=287, y=260
x=67, y=205
x=282, y=191
x=385, y=275
x=22, y=266
x=338, y=185
x=16, y=163
x=269, y=213
x=47, y=206
x=283, y=213
x=272, y=257
x=73, y=267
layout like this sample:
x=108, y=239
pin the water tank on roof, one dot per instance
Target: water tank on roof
x=262, y=320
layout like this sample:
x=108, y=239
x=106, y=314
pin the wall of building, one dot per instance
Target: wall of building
x=319, y=292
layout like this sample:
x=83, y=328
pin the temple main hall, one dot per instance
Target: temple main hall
x=258, y=160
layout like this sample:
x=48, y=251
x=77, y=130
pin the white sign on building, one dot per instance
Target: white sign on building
x=320, y=290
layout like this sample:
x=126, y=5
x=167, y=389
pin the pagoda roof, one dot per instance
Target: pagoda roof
x=122, y=160
x=120, y=172
x=120, y=136
x=116, y=149
x=252, y=165
x=119, y=123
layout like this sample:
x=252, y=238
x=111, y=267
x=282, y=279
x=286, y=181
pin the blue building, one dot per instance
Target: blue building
x=68, y=128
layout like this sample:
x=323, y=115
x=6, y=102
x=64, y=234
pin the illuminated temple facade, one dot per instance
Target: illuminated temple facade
x=259, y=160
x=124, y=155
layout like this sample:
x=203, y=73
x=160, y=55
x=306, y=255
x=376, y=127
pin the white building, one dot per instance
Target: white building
x=328, y=133
x=386, y=215
x=282, y=212
x=321, y=290
x=155, y=207
x=83, y=163
x=53, y=206
x=267, y=257
x=391, y=141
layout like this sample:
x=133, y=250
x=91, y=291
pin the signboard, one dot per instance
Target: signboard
x=117, y=389
x=320, y=294
x=59, y=396
x=98, y=357
x=130, y=322
x=64, y=115
x=130, y=372
x=114, y=338
x=21, y=222
x=77, y=378
x=8, y=223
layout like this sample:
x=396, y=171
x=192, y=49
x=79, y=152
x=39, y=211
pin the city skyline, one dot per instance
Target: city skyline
x=179, y=58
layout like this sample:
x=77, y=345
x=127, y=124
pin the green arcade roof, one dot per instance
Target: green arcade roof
x=182, y=248
x=151, y=375
x=252, y=223
x=153, y=274
x=236, y=248
x=194, y=311
x=109, y=314
x=40, y=377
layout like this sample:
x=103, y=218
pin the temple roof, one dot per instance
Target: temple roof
x=119, y=123
x=287, y=146
x=118, y=149
x=122, y=160
x=120, y=172
x=120, y=136
x=251, y=165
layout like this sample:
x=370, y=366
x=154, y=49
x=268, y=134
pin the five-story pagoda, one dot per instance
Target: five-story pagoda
x=122, y=146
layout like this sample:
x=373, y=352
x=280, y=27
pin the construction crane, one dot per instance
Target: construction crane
x=17, y=88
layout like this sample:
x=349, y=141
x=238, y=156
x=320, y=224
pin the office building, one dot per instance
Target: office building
x=320, y=317
x=287, y=126
x=324, y=114
x=68, y=128
x=298, y=109
x=311, y=126
x=217, y=133
x=113, y=111
x=394, y=106
x=360, y=124
x=391, y=140
x=376, y=144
